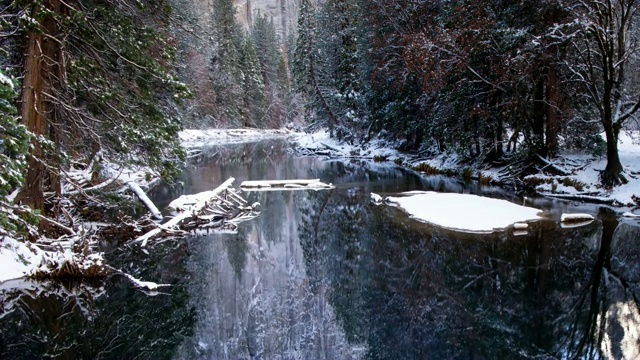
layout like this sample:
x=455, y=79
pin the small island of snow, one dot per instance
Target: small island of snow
x=464, y=212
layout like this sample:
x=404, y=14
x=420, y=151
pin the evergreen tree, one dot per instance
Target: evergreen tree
x=15, y=139
x=227, y=75
x=100, y=71
x=342, y=70
x=307, y=69
x=305, y=48
x=267, y=47
x=253, y=86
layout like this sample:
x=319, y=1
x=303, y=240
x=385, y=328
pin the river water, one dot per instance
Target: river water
x=330, y=275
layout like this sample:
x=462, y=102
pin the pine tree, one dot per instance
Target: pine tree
x=100, y=71
x=274, y=71
x=267, y=47
x=306, y=66
x=15, y=140
x=305, y=48
x=342, y=69
x=253, y=86
x=227, y=75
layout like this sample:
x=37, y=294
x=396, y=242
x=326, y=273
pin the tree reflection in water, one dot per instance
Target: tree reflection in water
x=413, y=291
x=606, y=320
x=329, y=275
x=103, y=320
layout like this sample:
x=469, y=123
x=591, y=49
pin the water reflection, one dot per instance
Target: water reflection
x=329, y=275
x=607, y=317
x=413, y=291
x=103, y=320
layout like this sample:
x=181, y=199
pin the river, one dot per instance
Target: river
x=330, y=275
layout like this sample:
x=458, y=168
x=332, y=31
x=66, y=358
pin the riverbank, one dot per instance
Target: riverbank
x=578, y=180
x=77, y=251
x=571, y=176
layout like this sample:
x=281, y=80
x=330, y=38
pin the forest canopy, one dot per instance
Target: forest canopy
x=474, y=77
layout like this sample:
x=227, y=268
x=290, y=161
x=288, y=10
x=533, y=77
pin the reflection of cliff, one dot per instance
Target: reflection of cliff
x=251, y=291
x=253, y=297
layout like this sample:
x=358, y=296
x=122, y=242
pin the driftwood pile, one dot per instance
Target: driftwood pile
x=222, y=208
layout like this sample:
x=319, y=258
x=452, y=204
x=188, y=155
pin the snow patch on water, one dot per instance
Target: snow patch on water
x=464, y=212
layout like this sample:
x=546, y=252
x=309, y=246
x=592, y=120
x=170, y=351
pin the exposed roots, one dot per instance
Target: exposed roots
x=611, y=179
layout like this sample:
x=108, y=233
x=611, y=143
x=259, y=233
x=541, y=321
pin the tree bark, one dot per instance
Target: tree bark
x=33, y=117
x=333, y=120
x=612, y=174
x=538, y=117
x=499, y=136
x=551, y=95
x=42, y=72
x=552, y=109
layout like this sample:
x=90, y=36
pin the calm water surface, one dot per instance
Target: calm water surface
x=329, y=275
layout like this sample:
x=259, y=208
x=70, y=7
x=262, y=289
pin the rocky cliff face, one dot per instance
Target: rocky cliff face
x=284, y=13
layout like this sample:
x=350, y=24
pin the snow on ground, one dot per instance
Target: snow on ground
x=320, y=143
x=198, y=138
x=583, y=181
x=18, y=259
x=464, y=212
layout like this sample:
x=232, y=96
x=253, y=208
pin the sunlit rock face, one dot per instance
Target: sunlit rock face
x=284, y=13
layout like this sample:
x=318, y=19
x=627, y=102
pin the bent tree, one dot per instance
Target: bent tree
x=606, y=46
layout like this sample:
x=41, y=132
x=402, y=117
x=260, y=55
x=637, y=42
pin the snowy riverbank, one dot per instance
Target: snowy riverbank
x=581, y=182
x=583, y=170
x=191, y=138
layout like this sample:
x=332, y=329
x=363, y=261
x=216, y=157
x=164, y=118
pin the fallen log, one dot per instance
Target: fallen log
x=286, y=184
x=145, y=199
x=203, y=209
x=569, y=218
x=187, y=202
x=559, y=170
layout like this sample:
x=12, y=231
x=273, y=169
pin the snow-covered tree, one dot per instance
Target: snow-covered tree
x=275, y=73
x=14, y=145
x=606, y=46
x=100, y=71
x=253, y=85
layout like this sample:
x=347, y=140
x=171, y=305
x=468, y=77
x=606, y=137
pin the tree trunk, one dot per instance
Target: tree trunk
x=41, y=70
x=499, y=138
x=33, y=117
x=538, y=117
x=552, y=109
x=612, y=174
x=333, y=120
x=551, y=95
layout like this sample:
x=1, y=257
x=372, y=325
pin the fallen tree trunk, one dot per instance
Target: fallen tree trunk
x=558, y=169
x=204, y=208
x=145, y=199
x=286, y=184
